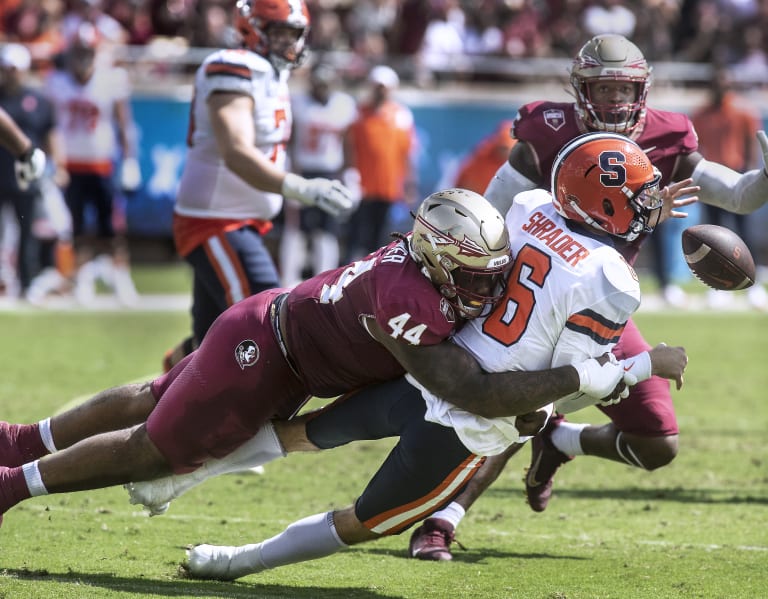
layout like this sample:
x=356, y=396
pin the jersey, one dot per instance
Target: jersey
x=211, y=198
x=568, y=297
x=326, y=330
x=85, y=114
x=318, y=132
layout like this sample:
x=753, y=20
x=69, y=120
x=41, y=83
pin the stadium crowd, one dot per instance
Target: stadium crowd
x=425, y=33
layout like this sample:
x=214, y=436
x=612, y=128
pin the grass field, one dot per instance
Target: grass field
x=697, y=528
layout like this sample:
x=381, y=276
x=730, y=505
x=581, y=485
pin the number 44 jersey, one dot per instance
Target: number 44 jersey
x=568, y=298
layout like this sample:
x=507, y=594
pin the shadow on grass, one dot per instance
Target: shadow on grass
x=678, y=494
x=184, y=587
x=474, y=556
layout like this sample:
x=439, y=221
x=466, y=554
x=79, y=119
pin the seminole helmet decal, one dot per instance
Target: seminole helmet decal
x=610, y=58
x=606, y=181
x=253, y=19
x=462, y=243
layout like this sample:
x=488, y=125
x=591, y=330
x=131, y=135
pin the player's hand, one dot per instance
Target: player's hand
x=330, y=196
x=669, y=362
x=602, y=377
x=678, y=195
x=130, y=174
x=763, y=141
x=29, y=167
x=531, y=423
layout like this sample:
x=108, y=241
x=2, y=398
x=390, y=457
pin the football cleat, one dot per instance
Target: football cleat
x=545, y=460
x=220, y=562
x=154, y=495
x=432, y=540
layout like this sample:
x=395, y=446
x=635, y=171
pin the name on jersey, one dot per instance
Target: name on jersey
x=554, y=237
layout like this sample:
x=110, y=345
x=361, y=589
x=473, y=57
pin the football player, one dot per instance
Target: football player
x=610, y=80
x=30, y=160
x=234, y=177
x=568, y=297
x=266, y=355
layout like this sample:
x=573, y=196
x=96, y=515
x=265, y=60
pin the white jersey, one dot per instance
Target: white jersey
x=208, y=189
x=318, y=132
x=85, y=114
x=567, y=299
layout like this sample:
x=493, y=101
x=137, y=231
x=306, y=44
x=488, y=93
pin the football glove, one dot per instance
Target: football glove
x=600, y=380
x=130, y=174
x=29, y=167
x=330, y=196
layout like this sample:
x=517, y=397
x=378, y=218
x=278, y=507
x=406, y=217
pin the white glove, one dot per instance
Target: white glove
x=762, y=139
x=599, y=380
x=330, y=196
x=29, y=167
x=130, y=174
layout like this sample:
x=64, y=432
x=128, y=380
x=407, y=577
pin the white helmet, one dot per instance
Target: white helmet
x=463, y=245
x=610, y=57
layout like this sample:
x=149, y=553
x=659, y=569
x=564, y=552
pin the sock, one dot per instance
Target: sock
x=13, y=488
x=20, y=443
x=46, y=436
x=33, y=479
x=325, y=248
x=310, y=538
x=453, y=513
x=567, y=438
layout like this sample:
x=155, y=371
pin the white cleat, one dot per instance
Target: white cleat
x=154, y=495
x=221, y=562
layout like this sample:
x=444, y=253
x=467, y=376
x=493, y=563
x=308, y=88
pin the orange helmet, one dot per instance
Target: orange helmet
x=253, y=18
x=606, y=181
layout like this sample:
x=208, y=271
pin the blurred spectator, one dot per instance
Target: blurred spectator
x=442, y=50
x=726, y=126
x=133, y=16
x=34, y=115
x=172, y=18
x=322, y=116
x=477, y=170
x=37, y=25
x=608, y=16
x=108, y=29
x=381, y=142
x=522, y=30
x=93, y=114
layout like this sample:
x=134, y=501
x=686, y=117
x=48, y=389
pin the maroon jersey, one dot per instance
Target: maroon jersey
x=548, y=126
x=325, y=333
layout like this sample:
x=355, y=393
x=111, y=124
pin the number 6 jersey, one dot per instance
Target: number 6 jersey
x=568, y=298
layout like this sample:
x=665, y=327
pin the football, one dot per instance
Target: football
x=718, y=257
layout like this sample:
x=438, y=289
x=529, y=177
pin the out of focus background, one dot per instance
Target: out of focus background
x=465, y=67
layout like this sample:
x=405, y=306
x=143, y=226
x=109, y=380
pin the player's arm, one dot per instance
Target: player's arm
x=231, y=116
x=724, y=187
x=12, y=137
x=451, y=373
x=518, y=174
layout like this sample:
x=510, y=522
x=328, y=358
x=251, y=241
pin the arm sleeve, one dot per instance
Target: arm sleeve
x=729, y=190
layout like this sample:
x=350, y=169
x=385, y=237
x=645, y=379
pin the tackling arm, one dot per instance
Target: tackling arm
x=451, y=373
x=514, y=176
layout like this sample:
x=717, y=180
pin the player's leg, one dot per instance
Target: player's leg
x=432, y=540
x=643, y=431
x=110, y=410
x=427, y=467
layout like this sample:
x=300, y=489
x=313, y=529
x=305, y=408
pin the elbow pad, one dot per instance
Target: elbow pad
x=725, y=188
x=505, y=185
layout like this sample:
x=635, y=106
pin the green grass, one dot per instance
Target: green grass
x=696, y=528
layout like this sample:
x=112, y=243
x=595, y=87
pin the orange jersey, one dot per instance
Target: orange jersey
x=477, y=170
x=382, y=140
x=727, y=133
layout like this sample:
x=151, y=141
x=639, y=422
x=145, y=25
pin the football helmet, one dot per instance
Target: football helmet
x=612, y=58
x=462, y=243
x=253, y=18
x=606, y=181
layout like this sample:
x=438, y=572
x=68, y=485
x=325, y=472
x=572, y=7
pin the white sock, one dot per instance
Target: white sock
x=293, y=255
x=260, y=449
x=309, y=538
x=44, y=427
x=33, y=479
x=453, y=513
x=325, y=252
x=567, y=438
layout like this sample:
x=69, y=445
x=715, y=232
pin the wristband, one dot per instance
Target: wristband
x=640, y=366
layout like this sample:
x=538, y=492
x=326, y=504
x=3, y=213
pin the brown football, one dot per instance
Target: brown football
x=718, y=257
